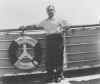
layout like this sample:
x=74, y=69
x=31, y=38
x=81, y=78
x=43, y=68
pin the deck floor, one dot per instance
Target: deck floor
x=87, y=76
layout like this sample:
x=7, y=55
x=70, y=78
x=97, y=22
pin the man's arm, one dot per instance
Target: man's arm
x=63, y=26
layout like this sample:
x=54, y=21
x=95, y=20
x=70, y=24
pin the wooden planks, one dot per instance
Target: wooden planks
x=82, y=46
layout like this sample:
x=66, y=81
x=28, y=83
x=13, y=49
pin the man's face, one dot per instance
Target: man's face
x=50, y=12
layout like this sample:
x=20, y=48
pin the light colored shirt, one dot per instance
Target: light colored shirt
x=53, y=25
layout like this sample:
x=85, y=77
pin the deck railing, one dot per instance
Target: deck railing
x=81, y=44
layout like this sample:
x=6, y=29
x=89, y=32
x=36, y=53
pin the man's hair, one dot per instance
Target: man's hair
x=50, y=7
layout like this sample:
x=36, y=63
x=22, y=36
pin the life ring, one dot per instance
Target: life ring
x=25, y=53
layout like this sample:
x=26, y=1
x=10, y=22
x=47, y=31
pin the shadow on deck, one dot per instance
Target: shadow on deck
x=41, y=77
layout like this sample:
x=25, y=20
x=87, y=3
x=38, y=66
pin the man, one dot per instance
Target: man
x=52, y=24
x=54, y=39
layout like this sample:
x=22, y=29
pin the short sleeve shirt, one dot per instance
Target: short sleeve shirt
x=52, y=25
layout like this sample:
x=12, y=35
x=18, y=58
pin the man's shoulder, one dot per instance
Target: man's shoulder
x=43, y=22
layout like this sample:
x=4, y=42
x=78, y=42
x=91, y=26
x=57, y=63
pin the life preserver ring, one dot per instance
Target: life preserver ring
x=25, y=53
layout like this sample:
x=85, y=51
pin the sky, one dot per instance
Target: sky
x=16, y=13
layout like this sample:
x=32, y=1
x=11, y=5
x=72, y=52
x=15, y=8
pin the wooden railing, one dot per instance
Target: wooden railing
x=81, y=44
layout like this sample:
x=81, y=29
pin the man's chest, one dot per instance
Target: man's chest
x=51, y=23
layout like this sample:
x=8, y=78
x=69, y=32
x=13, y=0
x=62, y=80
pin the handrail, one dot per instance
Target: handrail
x=88, y=25
x=72, y=26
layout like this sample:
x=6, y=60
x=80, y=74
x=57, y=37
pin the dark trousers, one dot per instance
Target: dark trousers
x=54, y=54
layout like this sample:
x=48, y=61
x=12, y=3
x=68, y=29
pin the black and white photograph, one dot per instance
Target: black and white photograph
x=49, y=42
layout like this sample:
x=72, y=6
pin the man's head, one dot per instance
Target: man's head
x=50, y=11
